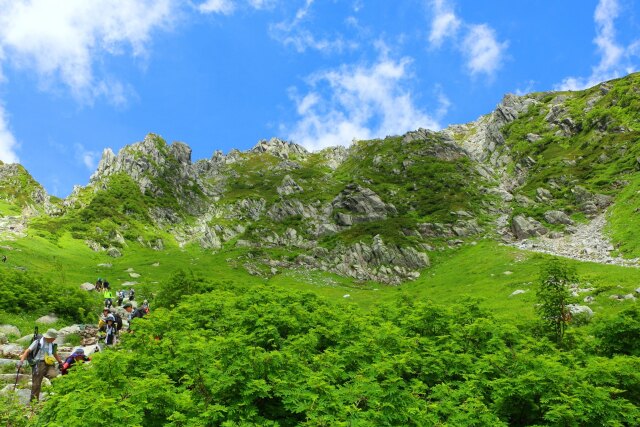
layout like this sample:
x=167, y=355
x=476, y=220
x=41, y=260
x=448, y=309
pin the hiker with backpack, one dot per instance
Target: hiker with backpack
x=120, y=297
x=110, y=330
x=107, y=295
x=118, y=319
x=132, y=294
x=76, y=356
x=103, y=317
x=99, y=285
x=128, y=307
x=42, y=355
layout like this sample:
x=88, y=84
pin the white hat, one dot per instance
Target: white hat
x=51, y=333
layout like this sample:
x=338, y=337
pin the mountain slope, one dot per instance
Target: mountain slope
x=539, y=165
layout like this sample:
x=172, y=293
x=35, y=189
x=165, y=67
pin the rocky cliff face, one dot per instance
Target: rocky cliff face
x=540, y=166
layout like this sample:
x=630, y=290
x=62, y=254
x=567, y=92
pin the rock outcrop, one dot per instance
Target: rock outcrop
x=363, y=204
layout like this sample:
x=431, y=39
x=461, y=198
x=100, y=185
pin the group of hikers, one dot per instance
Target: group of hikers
x=42, y=354
x=104, y=287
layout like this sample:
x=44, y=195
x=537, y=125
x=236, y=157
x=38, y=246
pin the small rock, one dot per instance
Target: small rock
x=134, y=275
x=346, y=296
x=48, y=319
x=517, y=292
x=129, y=283
x=578, y=309
x=507, y=273
x=3, y=338
x=156, y=264
x=87, y=286
x=114, y=252
x=10, y=330
x=557, y=217
x=589, y=299
x=105, y=265
x=630, y=296
x=543, y=195
x=11, y=351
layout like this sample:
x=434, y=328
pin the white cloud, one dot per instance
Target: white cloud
x=61, y=41
x=614, y=58
x=228, y=7
x=224, y=7
x=8, y=143
x=360, y=102
x=478, y=43
x=262, y=4
x=88, y=158
x=292, y=33
x=529, y=86
x=445, y=23
x=302, y=39
x=483, y=52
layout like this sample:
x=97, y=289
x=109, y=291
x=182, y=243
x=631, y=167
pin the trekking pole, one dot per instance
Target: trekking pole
x=15, y=385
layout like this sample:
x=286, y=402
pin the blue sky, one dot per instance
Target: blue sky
x=78, y=76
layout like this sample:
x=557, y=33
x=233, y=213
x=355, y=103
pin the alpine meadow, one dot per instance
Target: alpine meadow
x=481, y=275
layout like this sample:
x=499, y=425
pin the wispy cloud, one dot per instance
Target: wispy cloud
x=525, y=88
x=228, y=7
x=293, y=33
x=361, y=102
x=224, y=7
x=615, y=59
x=61, y=41
x=86, y=157
x=445, y=23
x=8, y=143
x=483, y=51
x=478, y=43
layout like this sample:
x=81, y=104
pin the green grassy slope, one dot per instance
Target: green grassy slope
x=593, y=143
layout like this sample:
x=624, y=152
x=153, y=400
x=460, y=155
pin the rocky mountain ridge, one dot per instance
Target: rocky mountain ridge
x=543, y=164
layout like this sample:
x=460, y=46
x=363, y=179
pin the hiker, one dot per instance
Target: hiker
x=4, y=258
x=110, y=330
x=76, y=356
x=99, y=285
x=133, y=313
x=145, y=306
x=118, y=318
x=120, y=297
x=45, y=355
x=108, y=296
x=132, y=294
x=103, y=317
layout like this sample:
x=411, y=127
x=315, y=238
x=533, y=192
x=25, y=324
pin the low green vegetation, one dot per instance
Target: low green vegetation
x=22, y=292
x=277, y=357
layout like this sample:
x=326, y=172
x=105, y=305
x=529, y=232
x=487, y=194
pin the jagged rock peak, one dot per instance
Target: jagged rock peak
x=154, y=151
x=279, y=148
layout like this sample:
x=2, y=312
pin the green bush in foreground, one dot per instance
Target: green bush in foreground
x=274, y=358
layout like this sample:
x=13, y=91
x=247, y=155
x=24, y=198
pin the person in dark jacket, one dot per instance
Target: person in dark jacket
x=110, y=330
x=76, y=356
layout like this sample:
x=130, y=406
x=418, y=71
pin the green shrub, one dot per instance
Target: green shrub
x=267, y=357
x=23, y=292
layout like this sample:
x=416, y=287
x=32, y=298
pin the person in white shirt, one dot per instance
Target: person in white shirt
x=45, y=355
